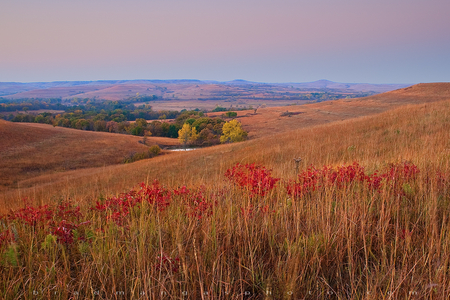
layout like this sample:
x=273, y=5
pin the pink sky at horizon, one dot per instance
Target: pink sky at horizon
x=381, y=41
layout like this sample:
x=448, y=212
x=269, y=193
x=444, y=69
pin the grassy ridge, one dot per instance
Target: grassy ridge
x=29, y=150
x=200, y=232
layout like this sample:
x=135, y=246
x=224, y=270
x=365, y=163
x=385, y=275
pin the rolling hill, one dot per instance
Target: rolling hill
x=321, y=134
x=28, y=150
x=272, y=120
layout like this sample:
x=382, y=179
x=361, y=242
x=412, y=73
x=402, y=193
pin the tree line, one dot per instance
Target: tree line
x=208, y=131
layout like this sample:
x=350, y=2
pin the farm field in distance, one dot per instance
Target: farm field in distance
x=362, y=215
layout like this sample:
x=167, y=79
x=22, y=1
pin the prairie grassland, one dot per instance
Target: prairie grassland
x=419, y=133
x=346, y=231
x=268, y=121
x=28, y=150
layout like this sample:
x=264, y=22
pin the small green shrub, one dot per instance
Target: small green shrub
x=231, y=114
x=11, y=256
x=151, y=152
x=154, y=150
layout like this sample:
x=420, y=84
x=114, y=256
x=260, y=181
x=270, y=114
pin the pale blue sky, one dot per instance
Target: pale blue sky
x=395, y=41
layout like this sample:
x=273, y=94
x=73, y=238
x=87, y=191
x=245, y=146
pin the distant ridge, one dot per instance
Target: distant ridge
x=123, y=89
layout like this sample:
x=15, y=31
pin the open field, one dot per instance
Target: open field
x=268, y=121
x=233, y=104
x=370, y=225
x=370, y=136
x=28, y=150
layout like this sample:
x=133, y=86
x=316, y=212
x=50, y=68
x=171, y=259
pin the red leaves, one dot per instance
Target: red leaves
x=32, y=215
x=5, y=237
x=64, y=231
x=401, y=171
x=59, y=220
x=256, y=179
x=315, y=179
x=196, y=202
x=156, y=195
x=118, y=208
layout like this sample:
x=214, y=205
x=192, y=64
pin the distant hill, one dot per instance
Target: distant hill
x=184, y=89
x=357, y=87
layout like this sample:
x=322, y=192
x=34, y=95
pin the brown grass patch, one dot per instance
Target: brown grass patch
x=29, y=150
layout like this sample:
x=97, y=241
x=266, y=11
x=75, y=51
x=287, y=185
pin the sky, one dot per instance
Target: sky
x=355, y=41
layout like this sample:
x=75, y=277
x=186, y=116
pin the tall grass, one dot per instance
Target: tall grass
x=334, y=232
x=205, y=233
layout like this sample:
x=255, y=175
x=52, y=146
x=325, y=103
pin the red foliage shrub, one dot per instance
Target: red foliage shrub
x=155, y=194
x=315, y=179
x=401, y=172
x=118, y=208
x=256, y=179
x=197, y=204
x=32, y=216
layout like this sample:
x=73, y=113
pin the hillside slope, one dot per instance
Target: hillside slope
x=42, y=153
x=268, y=121
x=418, y=133
x=28, y=150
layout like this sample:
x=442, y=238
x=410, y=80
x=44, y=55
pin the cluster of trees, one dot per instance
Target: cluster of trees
x=97, y=112
x=231, y=132
x=203, y=131
x=193, y=127
x=115, y=122
x=230, y=114
x=31, y=104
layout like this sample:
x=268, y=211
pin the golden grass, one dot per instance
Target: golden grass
x=416, y=132
x=268, y=121
x=29, y=150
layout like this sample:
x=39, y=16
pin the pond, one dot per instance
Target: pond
x=187, y=149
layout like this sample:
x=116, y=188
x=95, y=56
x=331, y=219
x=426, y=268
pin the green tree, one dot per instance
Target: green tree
x=231, y=114
x=187, y=134
x=232, y=132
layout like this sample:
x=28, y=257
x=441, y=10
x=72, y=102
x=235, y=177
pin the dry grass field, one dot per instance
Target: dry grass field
x=31, y=150
x=28, y=150
x=268, y=121
x=209, y=105
x=372, y=224
x=406, y=133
